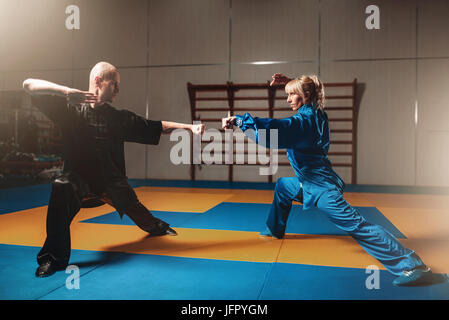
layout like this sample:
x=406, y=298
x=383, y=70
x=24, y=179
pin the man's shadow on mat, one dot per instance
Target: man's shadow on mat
x=106, y=258
x=162, y=246
x=153, y=245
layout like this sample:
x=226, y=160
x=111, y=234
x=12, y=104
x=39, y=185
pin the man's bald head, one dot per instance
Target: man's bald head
x=104, y=81
x=103, y=70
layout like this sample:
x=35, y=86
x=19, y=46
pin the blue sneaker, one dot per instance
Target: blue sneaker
x=418, y=276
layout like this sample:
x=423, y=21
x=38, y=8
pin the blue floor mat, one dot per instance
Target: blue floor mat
x=123, y=276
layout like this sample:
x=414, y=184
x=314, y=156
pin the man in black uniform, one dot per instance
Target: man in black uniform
x=93, y=134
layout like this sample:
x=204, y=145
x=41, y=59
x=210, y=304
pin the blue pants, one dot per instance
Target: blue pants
x=374, y=239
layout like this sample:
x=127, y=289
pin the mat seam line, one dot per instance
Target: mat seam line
x=267, y=276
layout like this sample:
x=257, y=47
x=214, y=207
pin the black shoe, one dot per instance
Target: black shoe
x=162, y=232
x=46, y=269
x=161, y=228
x=171, y=232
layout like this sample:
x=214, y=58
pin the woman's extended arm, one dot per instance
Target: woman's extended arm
x=288, y=131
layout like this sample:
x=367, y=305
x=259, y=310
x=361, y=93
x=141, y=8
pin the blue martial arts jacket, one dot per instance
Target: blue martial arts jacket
x=305, y=135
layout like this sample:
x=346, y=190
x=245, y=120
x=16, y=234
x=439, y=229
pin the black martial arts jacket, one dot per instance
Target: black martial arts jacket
x=93, y=138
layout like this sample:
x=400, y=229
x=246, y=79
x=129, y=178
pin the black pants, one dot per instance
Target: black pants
x=69, y=194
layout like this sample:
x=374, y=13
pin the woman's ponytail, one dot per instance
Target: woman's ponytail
x=319, y=92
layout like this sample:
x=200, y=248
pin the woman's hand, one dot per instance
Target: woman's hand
x=279, y=79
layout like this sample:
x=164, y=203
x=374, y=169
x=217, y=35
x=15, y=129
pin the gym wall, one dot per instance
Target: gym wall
x=402, y=68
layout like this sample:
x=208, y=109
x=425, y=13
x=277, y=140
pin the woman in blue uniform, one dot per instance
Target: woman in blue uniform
x=305, y=135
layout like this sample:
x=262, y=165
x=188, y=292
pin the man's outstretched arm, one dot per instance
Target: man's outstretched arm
x=168, y=126
x=141, y=130
x=43, y=87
